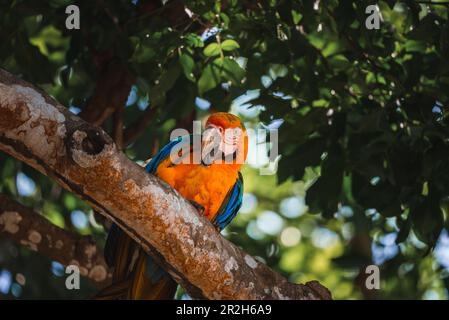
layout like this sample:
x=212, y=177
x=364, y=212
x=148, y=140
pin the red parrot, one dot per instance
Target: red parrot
x=213, y=184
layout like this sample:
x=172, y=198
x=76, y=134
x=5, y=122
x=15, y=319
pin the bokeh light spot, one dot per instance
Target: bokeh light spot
x=79, y=219
x=57, y=269
x=293, y=207
x=25, y=185
x=270, y=222
x=249, y=203
x=324, y=238
x=290, y=236
x=253, y=231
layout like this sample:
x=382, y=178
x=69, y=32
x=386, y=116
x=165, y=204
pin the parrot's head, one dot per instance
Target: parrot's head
x=224, y=132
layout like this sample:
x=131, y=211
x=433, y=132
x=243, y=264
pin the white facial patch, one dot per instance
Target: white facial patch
x=219, y=144
x=231, y=141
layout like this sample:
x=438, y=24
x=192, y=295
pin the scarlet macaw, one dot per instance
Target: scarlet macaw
x=213, y=185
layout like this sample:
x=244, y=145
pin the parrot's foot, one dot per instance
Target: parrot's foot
x=197, y=206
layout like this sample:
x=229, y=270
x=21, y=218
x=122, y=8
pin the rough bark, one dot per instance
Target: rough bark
x=32, y=230
x=83, y=159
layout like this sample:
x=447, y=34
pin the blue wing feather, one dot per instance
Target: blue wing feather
x=161, y=155
x=231, y=204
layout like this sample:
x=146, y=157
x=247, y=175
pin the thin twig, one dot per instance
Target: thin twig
x=117, y=126
x=133, y=131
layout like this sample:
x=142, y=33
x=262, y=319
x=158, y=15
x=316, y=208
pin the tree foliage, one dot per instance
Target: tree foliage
x=365, y=130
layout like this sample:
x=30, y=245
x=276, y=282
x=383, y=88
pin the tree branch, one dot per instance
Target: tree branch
x=83, y=159
x=111, y=92
x=28, y=228
x=117, y=127
x=133, y=131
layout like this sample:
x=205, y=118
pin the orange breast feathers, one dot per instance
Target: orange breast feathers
x=208, y=185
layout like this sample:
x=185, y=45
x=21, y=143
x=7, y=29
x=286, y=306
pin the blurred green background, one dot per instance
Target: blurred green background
x=361, y=114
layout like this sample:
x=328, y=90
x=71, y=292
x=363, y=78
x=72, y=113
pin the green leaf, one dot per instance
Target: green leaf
x=225, y=19
x=229, y=45
x=143, y=54
x=70, y=202
x=296, y=16
x=35, y=65
x=427, y=219
x=323, y=196
x=220, y=70
x=166, y=82
x=231, y=70
x=305, y=155
x=209, y=79
x=52, y=212
x=187, y=65
x=213, y=49
x=64, y=76
x=428, y=30
x=194, y=40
